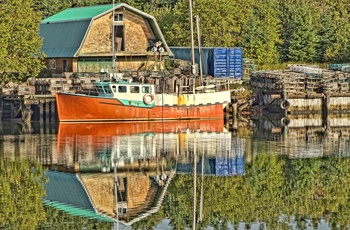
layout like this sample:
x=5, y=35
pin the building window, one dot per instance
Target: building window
x=118, y=17
x=119, y=33
x=64, y=66
x=52, y=64
x=122, y=211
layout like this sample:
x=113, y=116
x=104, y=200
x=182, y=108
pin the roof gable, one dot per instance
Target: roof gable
x=64, y=32
x=80, y=13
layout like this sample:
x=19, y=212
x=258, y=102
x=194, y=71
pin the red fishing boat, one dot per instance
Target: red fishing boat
x=131, y=101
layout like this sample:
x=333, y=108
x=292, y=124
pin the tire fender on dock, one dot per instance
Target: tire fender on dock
x=285, y=104
x=285, y=121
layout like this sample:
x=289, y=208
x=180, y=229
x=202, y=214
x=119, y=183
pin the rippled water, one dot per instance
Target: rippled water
x=262, y=175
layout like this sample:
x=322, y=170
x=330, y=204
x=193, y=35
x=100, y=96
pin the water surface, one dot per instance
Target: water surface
x=177, y=175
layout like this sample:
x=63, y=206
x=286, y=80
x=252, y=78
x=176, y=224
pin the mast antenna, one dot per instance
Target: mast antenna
x=113, y=42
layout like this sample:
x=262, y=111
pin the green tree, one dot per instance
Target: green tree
x=338, y=51
x=20, y=40
x=262, y=32
x=300, y=36
x=221, y=21
x=325, y=32
x=174, y=23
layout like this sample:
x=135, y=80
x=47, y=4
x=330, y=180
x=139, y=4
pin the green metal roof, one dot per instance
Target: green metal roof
x=63, y=39
x=81, y=13
x=64, y=32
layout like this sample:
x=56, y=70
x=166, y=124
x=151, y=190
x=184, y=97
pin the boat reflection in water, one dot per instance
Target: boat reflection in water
x=147, y=156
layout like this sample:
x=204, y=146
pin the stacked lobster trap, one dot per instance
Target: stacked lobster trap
x=300, y=79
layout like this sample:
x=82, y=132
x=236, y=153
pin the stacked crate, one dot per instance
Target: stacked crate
x=343, y=83
x=329, y=82
x=346, y=69
x=301, y=79
x=294, y=82
x=336, y=67
x=42, y=86
x=26, y=90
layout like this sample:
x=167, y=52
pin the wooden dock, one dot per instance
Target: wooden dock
x=35, y=100
x=28, y=108
x=302, y=89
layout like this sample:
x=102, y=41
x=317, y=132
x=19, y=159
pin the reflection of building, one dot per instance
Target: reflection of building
x=65, y=192
x=92, y=195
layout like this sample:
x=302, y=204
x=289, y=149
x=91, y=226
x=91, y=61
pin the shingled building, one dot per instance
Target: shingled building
x=80, y=39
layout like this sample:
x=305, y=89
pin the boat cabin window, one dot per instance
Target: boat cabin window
x=146, y=89
x=134, y=89
x=114, y=88
x=99, y=89
x=121, y=89
x=107, y=89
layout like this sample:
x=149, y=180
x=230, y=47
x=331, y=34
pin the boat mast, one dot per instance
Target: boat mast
x=113, y=42
x=192, y=39
x=199, y=50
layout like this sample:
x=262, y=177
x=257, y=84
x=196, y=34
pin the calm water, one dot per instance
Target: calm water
x=262, y=175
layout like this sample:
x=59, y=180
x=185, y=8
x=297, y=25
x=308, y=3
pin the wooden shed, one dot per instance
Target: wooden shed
x=80, y=40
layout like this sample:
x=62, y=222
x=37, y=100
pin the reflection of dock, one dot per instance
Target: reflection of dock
x=310, y=135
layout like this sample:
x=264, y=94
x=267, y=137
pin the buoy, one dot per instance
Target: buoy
x=148, y=99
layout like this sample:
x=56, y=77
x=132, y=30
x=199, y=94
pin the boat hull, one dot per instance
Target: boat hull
x=84, y=108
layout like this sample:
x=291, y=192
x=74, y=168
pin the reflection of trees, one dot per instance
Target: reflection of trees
x=22, y=188
x=306, y=189
x=57, y=219
x=149, y=222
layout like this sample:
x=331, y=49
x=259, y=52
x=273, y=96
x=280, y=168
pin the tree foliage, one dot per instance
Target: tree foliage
x=57, y=219
x=301, y=40
x=270, y=31
x=20, y=40
x=338, y=50
x=261, y=34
